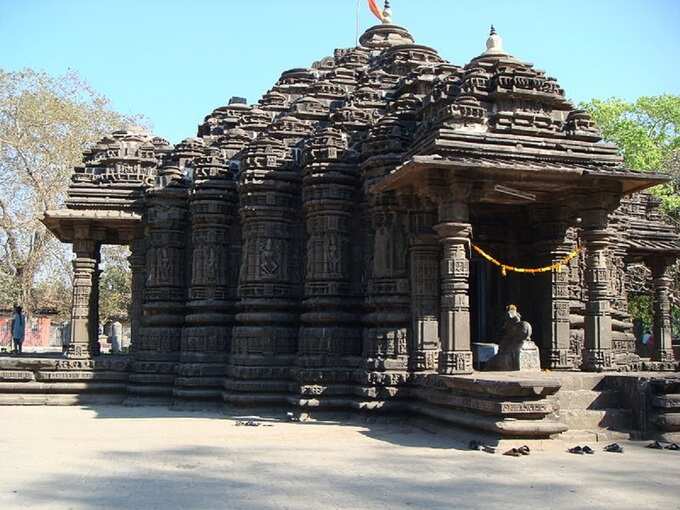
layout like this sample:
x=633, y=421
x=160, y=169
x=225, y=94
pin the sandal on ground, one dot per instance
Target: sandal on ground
x=614, y=448
x=488, y=449
x=577, y=450
x=524, y=450
x=248, y=423
x=587, y=449
x=655, y=445
x=514, y=452
x=673, y=446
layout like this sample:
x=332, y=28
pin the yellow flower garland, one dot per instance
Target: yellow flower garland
x=557, y=266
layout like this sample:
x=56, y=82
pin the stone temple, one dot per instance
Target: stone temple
x=319, y=249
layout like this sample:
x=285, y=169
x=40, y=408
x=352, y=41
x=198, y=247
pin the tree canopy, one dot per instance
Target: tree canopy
x=45, y=124
x=648, y=133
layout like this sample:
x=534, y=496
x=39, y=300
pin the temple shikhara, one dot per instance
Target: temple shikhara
x=361, y=236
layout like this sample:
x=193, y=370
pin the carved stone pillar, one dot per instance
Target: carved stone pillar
x=387, y=296
x=557, y=242
x=597, y=354
x=206, y=337
x=157, y=347
x=455, y=232
x=424, y=252
x=137, y=261
x=330, y=335
x=557, y=332
x=264, y=340
x=663, y=350
x=84, y=267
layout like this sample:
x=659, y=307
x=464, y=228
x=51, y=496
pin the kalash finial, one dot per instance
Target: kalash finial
x=494, y=44
x=387, y=13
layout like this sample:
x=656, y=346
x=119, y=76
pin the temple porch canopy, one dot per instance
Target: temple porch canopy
x=581, y=195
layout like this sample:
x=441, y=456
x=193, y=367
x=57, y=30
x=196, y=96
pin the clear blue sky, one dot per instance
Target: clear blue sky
x=174, y=61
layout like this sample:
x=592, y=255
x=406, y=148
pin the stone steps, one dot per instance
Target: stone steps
x=591, y=410
x=577, y=436
x=579, y=381
x=595, y=420
x=668, y=402
x=589, y=399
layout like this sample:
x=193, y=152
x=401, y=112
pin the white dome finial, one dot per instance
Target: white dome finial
x=387, y=13
x=494, y=44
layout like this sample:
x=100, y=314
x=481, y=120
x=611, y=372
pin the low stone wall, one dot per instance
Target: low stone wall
x=53, y=381
x=510, y=404
x=654, y=399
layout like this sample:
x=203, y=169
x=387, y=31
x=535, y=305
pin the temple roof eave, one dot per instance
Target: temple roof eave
x=416, y=170
x=109, y=226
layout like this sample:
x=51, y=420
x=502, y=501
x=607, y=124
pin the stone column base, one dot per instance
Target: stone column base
x=560, y=359
x=78, y=351
x=597, y=360
x=424, y=360
x=455, y=362
x=665, y=356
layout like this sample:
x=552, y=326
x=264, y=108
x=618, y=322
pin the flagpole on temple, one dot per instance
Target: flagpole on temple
x=356, y=41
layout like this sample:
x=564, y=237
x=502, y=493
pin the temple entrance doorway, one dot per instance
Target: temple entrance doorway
x=501, y=232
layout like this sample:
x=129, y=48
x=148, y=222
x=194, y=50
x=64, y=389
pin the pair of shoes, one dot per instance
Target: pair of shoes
x=655, y=445
x=248, y=423
x=580, y=450
x=614, y=448
x=514, y=452
x=518, y=452
x=476, y=445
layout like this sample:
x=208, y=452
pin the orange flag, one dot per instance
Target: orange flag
x=375, y=10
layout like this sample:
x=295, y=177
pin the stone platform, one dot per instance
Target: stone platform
x=510, y=404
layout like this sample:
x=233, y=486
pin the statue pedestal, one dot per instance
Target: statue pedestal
x=523, y=357
x=527, y=357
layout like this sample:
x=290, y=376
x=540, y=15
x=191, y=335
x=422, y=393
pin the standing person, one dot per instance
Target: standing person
x=18, y=328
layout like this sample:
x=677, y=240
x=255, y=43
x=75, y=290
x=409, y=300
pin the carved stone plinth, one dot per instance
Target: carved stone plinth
x=528, y=357
x=455, y=362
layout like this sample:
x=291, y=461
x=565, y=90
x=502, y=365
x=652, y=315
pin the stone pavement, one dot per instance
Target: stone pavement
x=148, y=457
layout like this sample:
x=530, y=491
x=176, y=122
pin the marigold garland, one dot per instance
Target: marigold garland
x=557, y=266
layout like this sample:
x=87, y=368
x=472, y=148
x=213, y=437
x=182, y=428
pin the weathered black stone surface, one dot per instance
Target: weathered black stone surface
x=313, y=249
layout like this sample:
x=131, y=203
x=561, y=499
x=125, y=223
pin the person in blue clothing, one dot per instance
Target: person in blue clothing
x=18, y=328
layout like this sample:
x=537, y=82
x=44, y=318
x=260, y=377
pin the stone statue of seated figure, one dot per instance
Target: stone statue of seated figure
x=516, y=350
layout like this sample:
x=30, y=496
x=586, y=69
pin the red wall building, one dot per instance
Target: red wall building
x=38, y=330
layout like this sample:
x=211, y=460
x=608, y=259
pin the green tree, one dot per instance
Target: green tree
x=648, y=133
x=45, y=124
x=115, y=296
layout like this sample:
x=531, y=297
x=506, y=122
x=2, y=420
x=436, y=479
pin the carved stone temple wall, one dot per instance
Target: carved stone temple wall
x=316, y=248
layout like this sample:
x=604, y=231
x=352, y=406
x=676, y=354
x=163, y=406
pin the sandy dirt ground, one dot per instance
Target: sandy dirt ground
x=148, y=458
